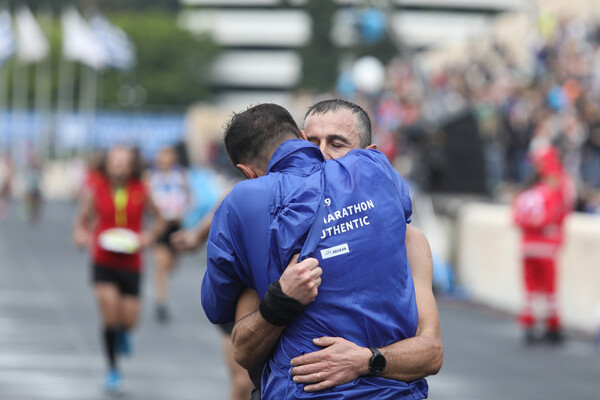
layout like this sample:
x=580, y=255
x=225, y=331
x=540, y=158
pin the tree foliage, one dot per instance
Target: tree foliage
x=172, y=65
x=105, y=6
x=171, y=69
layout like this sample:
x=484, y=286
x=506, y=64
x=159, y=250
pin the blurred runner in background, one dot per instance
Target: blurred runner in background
x=110, y=222
x=540, y=212
x=6, y=175
x=169, y=190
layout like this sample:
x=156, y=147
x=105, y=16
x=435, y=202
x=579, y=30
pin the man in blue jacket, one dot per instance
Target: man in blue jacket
x=337, y=127
x=350, y=212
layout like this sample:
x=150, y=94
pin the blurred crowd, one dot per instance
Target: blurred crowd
x=554, y=98
x=551, y=96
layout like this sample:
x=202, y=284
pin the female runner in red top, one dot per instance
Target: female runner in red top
x=115, y=206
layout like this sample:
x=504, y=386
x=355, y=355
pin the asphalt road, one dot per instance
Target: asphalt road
x=50, y=347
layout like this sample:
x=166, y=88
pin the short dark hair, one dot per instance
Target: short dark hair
x=253, y=135
x=363, y=122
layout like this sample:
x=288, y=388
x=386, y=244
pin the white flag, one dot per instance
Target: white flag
x=7, y=39
x=120, y=49
x=32, y=45
x=80, y=43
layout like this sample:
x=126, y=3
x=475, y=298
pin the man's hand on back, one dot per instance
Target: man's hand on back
x=407, y=360
x=301, y=280
x=341, y=361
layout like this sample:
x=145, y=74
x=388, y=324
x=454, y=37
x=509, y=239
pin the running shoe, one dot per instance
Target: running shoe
x=114, y=382
x=124, y=343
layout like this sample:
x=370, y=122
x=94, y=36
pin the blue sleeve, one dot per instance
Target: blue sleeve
x=221, y=284
x=401, y=186
x=404, y=194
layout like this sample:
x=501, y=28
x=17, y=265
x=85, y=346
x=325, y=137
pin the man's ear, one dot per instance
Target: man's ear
x=248, y=170
x=372, y=146
x=303, y=134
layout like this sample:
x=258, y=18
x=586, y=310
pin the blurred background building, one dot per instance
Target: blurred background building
x=269, y=57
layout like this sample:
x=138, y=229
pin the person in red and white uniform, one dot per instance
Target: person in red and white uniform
x=540, y=212
x=110, y=222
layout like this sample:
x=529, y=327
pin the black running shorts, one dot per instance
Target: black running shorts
x=165, y=238
x=128, y=282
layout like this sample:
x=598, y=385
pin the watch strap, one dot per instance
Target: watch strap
x=376, y=354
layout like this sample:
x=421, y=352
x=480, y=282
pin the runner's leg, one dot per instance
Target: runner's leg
x=164, y=261
x=107, y=295
x=553, y=323
x=241, y=385
x=130, y=306
x=128, y=310
x=526, y=318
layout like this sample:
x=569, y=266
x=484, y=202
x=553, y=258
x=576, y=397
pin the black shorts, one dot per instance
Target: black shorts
x=165, y=238
x=128, y=282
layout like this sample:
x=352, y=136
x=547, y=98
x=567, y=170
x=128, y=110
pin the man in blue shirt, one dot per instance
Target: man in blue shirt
x=364, y=207
x=337, y=127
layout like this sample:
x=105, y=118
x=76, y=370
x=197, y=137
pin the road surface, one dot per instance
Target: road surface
x=50, y=347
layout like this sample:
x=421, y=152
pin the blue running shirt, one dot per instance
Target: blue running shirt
x=357, y=234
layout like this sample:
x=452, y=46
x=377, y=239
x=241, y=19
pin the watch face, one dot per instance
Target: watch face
x=377, y=364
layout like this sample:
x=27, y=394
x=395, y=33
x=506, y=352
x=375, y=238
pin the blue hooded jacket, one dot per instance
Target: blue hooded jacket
x=350, y=214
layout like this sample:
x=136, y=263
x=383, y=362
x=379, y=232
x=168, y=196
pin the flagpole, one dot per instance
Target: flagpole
x=4, y=106
x=82, y=88
x=66, y=81
x=3, y=88
x=19, y=102
x=43, y=88
x=20, y=84
x=32, y=48
x=100, y=90
x=93, y=95
x=6, y=20
x=7, y=47
x=65, y=94
x=87, y=98
x=38, y=106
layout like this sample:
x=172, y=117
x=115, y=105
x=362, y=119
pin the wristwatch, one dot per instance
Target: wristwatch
x=377, y=363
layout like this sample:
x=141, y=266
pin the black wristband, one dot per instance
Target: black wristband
x=277, y=308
